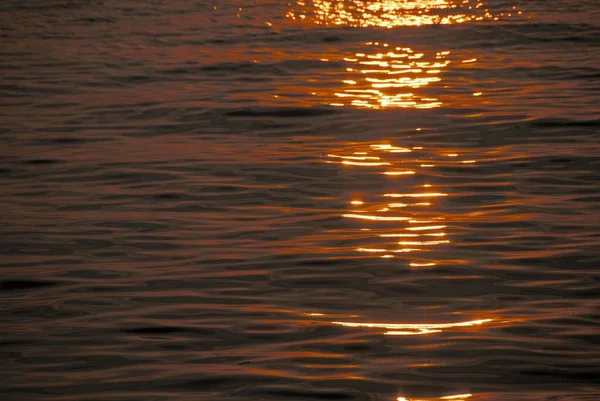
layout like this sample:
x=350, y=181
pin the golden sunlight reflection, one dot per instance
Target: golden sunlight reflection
x=391, y=77
x=416, y=195
x=384, y=75
x=372, y=217
x=456, y=397
x=403, y=223
x=412, y=329
x=402, y=329
x=393, y=13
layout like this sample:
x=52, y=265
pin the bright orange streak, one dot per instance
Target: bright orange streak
x=399, y=172
x=372, y=250
x=376, y=218
x=388, y=147
x=413, y=329
x=458, y=397
x=423, y=195
x=422, y=228
x=364, y=164
x=423, y=242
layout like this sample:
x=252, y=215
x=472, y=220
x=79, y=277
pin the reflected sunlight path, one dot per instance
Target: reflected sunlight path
x=393, y=13
x=407, y=329
x=402, y=222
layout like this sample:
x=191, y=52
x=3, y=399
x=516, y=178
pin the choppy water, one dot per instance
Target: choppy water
x=255, y=200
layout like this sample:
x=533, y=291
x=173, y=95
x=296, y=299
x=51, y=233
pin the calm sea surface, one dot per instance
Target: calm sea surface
x=307, y=200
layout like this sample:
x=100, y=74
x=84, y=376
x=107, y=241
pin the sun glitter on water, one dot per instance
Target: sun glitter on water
x=392, y=13
x=391, y=77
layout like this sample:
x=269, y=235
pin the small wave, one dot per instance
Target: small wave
x=290, y=112
x=564, y=123
x=520, y=34
x=227, y=67
x=23, y=285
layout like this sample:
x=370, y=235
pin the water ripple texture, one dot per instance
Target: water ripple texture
x=305, y=200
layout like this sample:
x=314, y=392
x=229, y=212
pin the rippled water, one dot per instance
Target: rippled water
x=320, y=200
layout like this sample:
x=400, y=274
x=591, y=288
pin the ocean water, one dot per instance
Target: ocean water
x=306, y=200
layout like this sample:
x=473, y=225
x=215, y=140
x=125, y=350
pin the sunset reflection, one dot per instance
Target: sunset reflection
x=403, y=329
x=391, y=77
x=395, y=223
x=393, y=13
x=456, y=397
x=383, y=75
x=413, y=329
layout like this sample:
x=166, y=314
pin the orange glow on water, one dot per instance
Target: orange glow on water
x=355, y=157
x=391, y=77
x=353, y=163
x=376, y=218
x=422, y=228
x=413, y=329
x=456, y=397
x=398, y=172
x=390, y=13
x=416, y=195
x=386, y=147
x=381, y=74
x=429, y=264
x=408, y=227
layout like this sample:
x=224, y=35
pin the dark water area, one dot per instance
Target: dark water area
x=314, y=200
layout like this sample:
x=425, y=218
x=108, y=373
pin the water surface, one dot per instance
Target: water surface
x=313, y=200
